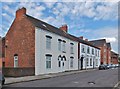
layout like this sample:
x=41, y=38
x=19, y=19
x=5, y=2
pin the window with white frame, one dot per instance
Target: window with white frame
x=83, y=49
x=59, y=60
x=92, y=51
x=71, y=48
x=59, y=44
x=88, y=50
x=90, y=61
x=96, y=62
x=96, y=52
x=48, y=42
x=15, y=60
x=87, y=61
x=64, y=43
x=48, y=61
x=71, y=62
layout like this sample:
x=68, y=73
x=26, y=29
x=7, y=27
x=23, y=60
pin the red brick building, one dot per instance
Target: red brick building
x=0, y=52
x=108, y=53
x=114, y=58
x=20, y=42
x=105, y=50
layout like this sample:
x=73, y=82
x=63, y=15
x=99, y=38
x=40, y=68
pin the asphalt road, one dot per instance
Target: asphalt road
x=97, y=78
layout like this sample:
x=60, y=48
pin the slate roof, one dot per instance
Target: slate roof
x=45, y=26
x=99, y=42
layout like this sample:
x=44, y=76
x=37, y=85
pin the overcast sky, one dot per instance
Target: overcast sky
x=93, y=20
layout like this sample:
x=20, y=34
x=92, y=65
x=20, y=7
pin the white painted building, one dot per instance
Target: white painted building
x=89, y=56
x=54, y=53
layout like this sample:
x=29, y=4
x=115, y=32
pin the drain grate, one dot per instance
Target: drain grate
x=91, y=83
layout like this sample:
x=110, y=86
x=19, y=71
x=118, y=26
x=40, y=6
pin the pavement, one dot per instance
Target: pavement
x=12, y=80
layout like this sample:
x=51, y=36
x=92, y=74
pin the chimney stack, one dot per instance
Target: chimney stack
x=86, y=39
x=64, y=28
x=81, y=37
x=20, y=12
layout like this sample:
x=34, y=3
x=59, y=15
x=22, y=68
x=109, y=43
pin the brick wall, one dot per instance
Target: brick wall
x=18, y=72
x=20, y=40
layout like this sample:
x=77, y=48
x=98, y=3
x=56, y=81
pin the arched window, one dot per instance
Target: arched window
x=59, y=60
x=15, y=60
x=64, y=58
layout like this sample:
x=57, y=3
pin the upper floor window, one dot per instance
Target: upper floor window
x=88, y=49
x=104, y=44
x=83, y=49
x=64, y=47
x=48, y=42
x=48, y=61
x=92, y=51
x=96, y=52
x=59, y=44
x=71, y=48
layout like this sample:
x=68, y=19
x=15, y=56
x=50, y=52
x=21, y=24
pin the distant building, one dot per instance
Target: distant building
x=105, y=50
x=108, y=53
x=114, y=58
x=89, y=55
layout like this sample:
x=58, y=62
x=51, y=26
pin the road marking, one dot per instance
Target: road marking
x=75, y=82
x=116, y=85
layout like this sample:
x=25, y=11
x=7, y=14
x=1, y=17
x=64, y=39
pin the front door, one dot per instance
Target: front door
x=81, y=63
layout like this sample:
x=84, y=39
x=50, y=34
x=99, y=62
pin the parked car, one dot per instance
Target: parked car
x=109, y=66
x=103, y=67
x=113, y=66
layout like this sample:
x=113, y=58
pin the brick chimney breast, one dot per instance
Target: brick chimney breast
x=64, y=28
x=20, y=12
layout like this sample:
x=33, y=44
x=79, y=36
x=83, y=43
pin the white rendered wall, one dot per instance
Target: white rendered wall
x=41, y=51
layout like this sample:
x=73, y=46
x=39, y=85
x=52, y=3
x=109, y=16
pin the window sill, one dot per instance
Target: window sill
x=63, y=51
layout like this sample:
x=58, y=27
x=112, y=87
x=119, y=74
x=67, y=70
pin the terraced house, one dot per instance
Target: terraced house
x=33, y=47
x=89, y=55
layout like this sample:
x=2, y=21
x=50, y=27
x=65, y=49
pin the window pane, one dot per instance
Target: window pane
x=71, y=62
x=59, y=45
x=59, y=64
x=48, y=62
x=48, y=43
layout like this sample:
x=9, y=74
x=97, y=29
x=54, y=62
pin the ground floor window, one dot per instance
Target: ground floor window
x=71, y=62
x=96, y=62
x=90, y=61
x=87, y=61
x=15, y=60
x=48, y=61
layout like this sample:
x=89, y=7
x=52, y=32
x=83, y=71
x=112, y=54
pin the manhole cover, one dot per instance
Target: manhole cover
x=91, y=82
x=75, y=82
